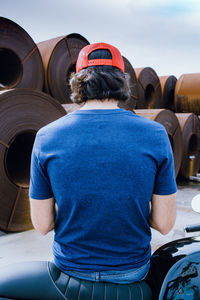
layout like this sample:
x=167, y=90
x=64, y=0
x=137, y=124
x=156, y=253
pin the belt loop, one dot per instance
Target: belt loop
x=97, y=276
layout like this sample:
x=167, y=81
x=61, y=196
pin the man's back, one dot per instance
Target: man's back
x=104, y=166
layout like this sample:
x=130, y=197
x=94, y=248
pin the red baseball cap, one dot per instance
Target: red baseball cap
x=83, y=61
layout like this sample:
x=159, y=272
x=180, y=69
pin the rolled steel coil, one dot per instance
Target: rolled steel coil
x=59, y=56
x=22, y=113
x=130, y=104
x=168, y=84
x=149, y=89
x=187, y=94
x=168, y=119
x=190, y=127
x=20, y=60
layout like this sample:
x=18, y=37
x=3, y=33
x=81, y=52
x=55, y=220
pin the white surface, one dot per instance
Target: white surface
x=25, y=246
x=196, y=203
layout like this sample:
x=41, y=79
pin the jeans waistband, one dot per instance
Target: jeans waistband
x=127, y=276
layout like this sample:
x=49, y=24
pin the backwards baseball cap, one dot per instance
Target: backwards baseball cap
x=83, y=61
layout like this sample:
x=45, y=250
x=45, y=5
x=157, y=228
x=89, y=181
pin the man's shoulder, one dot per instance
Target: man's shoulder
x=53, y=126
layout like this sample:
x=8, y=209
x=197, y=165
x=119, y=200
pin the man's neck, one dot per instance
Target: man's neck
x=98, y=104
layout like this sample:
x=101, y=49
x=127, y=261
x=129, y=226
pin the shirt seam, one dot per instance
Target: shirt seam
x=100, y=113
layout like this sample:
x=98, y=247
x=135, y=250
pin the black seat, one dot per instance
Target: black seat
x=41, y=280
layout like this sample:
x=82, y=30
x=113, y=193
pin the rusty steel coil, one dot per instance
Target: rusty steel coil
x=187, y=94
x=22, y=113
x=168, y=119
x=59, y=56
x=168, y=84
x=20, y=60
x=130, y=104
x=149, y=89
x=190, y=127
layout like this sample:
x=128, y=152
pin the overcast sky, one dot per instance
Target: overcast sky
x=162, y=34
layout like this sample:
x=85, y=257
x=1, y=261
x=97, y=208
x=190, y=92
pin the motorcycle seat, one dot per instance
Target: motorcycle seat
x=42, y=280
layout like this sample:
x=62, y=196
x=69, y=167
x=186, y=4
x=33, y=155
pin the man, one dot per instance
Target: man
x=101, y=176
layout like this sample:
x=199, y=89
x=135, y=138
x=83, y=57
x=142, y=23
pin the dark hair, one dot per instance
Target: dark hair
x=100, y=82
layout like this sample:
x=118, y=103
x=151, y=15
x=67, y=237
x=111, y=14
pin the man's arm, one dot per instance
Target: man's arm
x=43, y=214
x=163, y=212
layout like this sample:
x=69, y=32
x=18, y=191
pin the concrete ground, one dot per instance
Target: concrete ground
x=184, y=216
x=30, y=245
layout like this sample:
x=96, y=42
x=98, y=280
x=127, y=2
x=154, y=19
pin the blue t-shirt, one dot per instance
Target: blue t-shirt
x=102, y=166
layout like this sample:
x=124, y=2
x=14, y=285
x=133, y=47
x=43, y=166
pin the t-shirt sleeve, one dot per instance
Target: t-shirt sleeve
x=165, y=183
x=40, y=187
